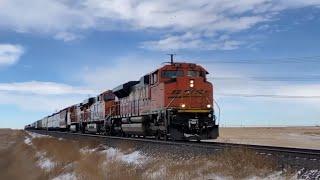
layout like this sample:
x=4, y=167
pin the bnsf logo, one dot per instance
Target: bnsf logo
x=193, y=92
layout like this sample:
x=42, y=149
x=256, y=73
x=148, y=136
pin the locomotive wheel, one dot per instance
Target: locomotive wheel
x=107, y=131
x=165, y=137
x=123, y=134
x=158, y=136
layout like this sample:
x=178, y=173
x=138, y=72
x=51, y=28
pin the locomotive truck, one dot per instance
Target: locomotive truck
x=173, y=102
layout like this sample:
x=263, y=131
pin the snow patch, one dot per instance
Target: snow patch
x=86, y=150
x=44, y=162
x=111, y=153
x=135, y=158
x=67, y=176
x=36, y=135
x=275, y=175
x=27, y=141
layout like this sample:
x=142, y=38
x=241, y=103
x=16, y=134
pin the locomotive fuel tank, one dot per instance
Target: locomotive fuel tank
x=134, y=128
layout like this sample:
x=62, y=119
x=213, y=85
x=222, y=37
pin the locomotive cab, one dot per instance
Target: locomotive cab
x=183, y=92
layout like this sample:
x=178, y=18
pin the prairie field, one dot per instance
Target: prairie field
x=300, y=137
x=26, y=155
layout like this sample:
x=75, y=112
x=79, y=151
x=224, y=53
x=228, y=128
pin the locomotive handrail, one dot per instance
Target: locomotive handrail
x=172, y=101
x=218, y=109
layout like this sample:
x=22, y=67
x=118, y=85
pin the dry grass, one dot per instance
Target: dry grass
x=314, y=133
x=237, y=164
x=242, y=163
x=64, y=151
x=126, y=146
x=89, y=167
x=17, y=160
x=120, y=170
x=94, y=164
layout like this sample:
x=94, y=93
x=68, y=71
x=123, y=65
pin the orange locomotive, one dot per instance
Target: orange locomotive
x=173, y=102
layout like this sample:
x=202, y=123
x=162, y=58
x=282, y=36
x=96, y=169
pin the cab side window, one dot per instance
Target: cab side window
x=154, y=78
x=203, y=74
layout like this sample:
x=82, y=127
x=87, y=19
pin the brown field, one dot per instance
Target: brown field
x=301, y=137
x=26, y=156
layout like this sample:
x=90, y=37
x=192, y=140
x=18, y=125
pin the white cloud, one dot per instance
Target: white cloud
x=44, y=16
x=66, y=36
x=191, y=41
x=43, y=88
x=10, y=54
x=42, y=96
x=204, y=17
x=129, y=68
x=39, y=102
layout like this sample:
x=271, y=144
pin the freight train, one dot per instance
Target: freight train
x=174, y=102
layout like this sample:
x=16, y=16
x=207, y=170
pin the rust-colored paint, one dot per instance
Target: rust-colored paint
x=179, y=91
x=169, y=93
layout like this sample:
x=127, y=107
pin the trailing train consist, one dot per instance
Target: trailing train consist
x=173, y=102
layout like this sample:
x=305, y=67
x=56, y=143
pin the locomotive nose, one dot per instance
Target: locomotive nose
x=194, y=93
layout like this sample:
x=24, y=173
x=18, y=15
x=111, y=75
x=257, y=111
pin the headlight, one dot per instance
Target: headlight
x=209, y=106
x=183, y=105
x=191, y=83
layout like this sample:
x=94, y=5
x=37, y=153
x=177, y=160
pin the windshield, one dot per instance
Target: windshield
x=172, y=74
x=193, y=73
x=196, y=74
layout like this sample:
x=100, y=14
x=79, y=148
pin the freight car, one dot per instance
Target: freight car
x=173, y=102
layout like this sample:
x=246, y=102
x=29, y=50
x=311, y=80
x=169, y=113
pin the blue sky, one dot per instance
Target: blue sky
x=54, y=53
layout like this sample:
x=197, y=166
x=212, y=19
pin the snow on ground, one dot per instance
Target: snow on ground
x=44, y=162
x=36, y=135
x=87, y=150
x=134, y=158
x=27, y=141
x=66, y=176
x=275, y=175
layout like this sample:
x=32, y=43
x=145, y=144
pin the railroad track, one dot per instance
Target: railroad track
x=296, y=157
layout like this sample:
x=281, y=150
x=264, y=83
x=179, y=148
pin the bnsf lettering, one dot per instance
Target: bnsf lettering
x=193, y=92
